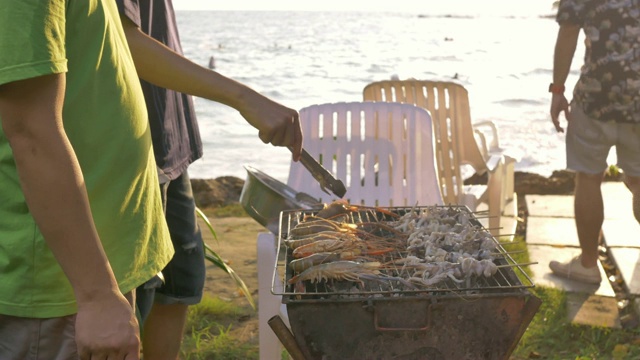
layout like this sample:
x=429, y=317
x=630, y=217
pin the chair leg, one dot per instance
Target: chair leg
x=268, y=304
x=510, y=166
x=496, y=193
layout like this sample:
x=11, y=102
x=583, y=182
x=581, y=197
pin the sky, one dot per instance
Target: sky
x=419, y=6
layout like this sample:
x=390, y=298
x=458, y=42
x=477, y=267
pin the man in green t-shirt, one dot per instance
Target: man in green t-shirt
x=81, y=220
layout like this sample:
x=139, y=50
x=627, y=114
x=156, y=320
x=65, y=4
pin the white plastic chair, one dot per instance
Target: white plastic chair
x=384, y=154
x=458, y=143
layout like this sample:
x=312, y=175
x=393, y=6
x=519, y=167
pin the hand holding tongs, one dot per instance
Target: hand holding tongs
x=322, y=175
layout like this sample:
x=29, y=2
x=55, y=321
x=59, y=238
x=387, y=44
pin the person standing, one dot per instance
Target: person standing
x=604, y=112
x=81, y=221
x=163, y=305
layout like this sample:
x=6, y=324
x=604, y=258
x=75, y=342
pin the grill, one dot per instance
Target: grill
x=423, y=300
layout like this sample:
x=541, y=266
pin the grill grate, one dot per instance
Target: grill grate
x=397, y=223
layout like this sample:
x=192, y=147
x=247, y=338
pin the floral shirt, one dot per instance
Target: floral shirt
x=609, y=84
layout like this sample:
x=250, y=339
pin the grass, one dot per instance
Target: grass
x=233, y=210
x=209, y=332
x=549, y=336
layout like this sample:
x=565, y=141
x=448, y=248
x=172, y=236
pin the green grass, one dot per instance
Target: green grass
x=551, y=336
x=209, y=334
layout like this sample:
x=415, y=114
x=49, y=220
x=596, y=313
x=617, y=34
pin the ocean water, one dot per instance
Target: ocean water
x=304, y=58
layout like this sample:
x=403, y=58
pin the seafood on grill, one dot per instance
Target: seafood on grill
x=346, y=243
x=471, y=266
x=421, y=272
x=421, y=248
x=313, y=225
x=331, y=218
x=302, y=264
x=338, y=270
x=294, y=243
x=339, y=208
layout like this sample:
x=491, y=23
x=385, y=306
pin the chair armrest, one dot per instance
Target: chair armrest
x=495, y=142
x=494, y=163
x=482, y=140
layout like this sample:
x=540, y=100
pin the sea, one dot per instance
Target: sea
x=300, y=58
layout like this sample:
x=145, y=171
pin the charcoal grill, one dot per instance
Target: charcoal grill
x=481, y=318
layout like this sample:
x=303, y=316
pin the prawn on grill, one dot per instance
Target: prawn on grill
x=345, y=243
x=340, y=209
x=323, y=235
x=302, y=264
x=313, y=225
x=338, y=270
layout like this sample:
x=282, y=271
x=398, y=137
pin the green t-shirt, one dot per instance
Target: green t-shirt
x=106, y=122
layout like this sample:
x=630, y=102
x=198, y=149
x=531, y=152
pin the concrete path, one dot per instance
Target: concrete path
x=551, y=235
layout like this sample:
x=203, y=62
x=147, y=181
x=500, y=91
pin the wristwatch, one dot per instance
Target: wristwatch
x=556, y=89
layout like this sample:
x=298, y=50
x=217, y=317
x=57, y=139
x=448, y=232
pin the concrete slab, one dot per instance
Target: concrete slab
x=549, y=205
x=542, y=275
x=551, y=235
x=617, y=201
x=552, y=231
x=593, y=310
x=616, y=197
x=628, y=262
x=622, y=232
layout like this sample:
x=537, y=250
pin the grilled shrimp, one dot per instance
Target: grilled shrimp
x=339, y=208
x=323, y=235
x=328, y=245
x=336, y=208
x=313, y=225
x=302, y=264
x=338, y=270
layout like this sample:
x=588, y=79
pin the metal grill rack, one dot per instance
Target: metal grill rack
x=509, y=277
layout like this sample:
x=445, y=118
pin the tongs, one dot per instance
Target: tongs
x=322, y=175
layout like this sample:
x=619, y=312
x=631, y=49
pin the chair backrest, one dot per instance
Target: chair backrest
x=383, y=152
x=455, y=141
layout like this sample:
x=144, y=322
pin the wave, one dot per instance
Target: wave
x=520, y=102
x=445, y=16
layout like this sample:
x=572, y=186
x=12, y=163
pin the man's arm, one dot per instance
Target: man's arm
x=562, y=57
x=53, y=186
x=159, y=65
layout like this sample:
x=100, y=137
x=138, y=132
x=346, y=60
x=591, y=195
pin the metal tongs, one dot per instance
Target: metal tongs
x=322, y=175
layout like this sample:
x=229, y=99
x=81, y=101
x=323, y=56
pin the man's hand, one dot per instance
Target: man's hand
x=559, y=104
x=106, y=328
x=276, y=123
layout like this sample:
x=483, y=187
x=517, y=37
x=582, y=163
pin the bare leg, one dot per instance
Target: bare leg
x=589, y=215
x=163, y=331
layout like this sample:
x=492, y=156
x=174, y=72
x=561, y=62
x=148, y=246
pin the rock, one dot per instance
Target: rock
x=217, y=192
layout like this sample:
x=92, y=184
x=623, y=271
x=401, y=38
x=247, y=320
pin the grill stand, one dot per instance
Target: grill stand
x=434, y=329
x=483, y=319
